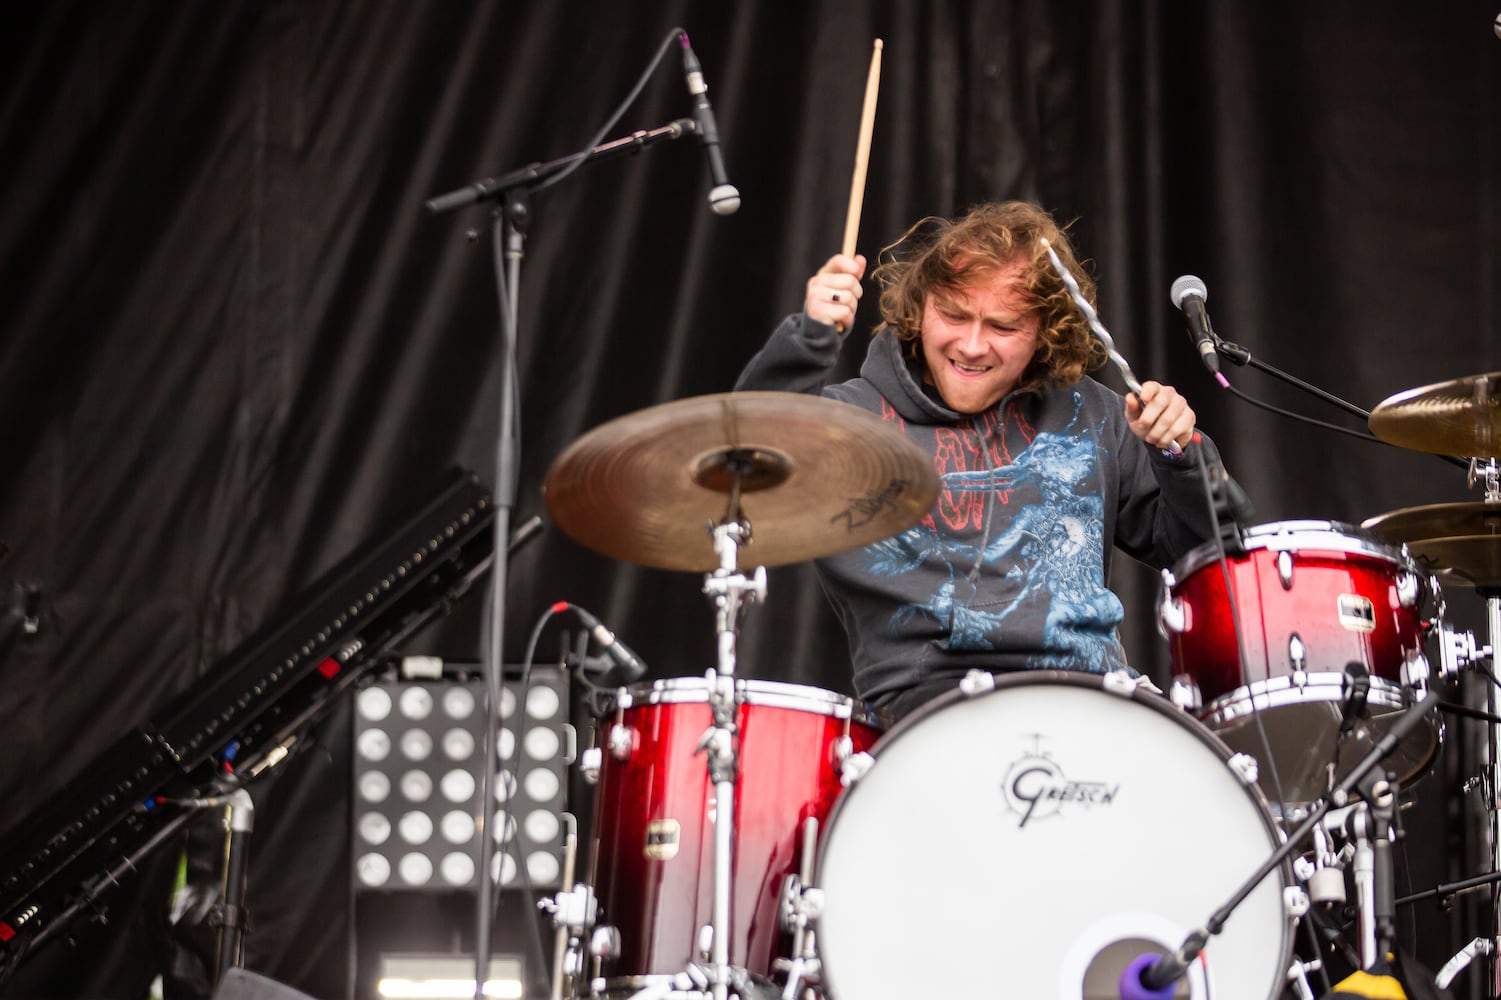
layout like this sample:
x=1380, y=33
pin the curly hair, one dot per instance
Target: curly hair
x=942, y=255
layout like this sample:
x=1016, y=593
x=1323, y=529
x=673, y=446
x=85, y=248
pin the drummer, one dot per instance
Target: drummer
x=980, y=357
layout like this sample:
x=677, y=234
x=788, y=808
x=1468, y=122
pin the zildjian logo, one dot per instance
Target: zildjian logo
x=1035, y=787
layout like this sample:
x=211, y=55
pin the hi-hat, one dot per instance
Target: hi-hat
x=1460, y=417
x=814, y=476
x=1460, y=538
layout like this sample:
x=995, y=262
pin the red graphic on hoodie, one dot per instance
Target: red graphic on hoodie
x=976, y=445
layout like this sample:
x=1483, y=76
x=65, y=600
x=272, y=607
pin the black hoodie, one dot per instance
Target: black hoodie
x=1009, y=569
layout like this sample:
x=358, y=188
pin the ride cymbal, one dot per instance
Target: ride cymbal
x=1463, y=539
x=815, y=477
x=1460, y=417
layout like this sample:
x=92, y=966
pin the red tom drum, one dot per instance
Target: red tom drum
x=654, y=808
x=1306, y=601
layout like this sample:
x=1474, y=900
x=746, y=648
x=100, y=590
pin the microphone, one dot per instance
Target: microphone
x=626, y=662
x=1189, y=294
x=1154, y=976
x=1131, y=986
x=724, y=197
x=1356, y=685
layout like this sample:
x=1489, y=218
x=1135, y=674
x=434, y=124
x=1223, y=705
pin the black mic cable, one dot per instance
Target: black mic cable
x=1189, y=294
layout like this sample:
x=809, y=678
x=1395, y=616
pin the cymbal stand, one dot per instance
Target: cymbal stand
x=732, y=592
x=1492, y=781
x=1461, y=648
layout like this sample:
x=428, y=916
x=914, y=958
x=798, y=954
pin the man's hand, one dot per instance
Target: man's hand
x=834, y=292
x=1162, y=418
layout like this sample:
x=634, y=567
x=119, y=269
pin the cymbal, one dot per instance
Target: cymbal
x=1460, y=417
x=1463, y=539
x=816, y=477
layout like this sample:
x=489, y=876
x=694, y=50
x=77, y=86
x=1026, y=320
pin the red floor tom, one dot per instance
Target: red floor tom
x=654, y=819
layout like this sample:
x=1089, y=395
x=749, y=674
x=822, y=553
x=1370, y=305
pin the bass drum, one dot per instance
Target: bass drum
x=1032, y=837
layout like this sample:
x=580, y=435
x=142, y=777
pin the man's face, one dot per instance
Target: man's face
x=978, y=339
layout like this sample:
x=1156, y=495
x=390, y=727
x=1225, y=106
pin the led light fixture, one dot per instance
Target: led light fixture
x=418, y=778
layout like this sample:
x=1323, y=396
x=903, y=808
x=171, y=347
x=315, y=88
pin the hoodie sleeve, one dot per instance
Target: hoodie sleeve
x=1163, y=511
x=799, y=357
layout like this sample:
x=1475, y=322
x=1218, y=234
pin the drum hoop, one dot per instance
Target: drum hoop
x=770, y=694
x=1299, y=536
x=1283, y=692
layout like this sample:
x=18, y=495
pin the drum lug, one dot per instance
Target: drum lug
x=1285, y=569
x=1244, y=767
x=590, y=762
x=1119, y=682
x=1416, y=672
x=705, y=943
x=1185, y=694
x=604, y=943
x=841, y=749
x=1295, y=900
x=622, y=740
x=977, y=682
x=853, y=768
x=1297, y=659
x=1407, y=590
x=1172, y=615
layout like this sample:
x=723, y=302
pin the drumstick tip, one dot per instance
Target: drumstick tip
x=880, y=45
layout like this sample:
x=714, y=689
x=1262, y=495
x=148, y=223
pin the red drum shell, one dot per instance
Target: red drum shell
x=654, y=832
x=1348, y=598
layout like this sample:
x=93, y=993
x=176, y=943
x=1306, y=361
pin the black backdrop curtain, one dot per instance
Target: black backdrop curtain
x=235, y=344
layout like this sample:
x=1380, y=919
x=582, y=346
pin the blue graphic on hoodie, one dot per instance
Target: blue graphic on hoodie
x=1049, y=554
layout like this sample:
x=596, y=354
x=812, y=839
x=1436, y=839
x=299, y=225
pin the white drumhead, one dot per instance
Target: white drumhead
x=1026, y=840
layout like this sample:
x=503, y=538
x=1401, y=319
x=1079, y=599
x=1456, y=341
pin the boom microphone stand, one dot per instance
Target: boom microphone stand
x=508, y=237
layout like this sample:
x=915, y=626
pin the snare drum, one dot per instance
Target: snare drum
x=654, y=819
x=1032, y=838
x=1309, y=599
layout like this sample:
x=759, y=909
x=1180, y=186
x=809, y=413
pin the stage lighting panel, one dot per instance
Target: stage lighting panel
x=417, y=783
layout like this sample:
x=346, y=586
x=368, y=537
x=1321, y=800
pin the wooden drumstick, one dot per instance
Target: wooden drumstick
x=862, y=153
x=862, y=150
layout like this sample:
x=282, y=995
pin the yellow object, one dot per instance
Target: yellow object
x=1363, y=984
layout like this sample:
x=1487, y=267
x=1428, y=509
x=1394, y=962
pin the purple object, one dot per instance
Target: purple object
x=1131, y=986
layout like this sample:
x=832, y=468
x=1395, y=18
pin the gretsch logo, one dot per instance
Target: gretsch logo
x=1035, y=787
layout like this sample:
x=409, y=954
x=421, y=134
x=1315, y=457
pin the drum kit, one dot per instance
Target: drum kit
x=755, y=840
